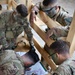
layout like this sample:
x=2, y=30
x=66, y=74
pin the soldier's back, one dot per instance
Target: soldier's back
x=10, y=64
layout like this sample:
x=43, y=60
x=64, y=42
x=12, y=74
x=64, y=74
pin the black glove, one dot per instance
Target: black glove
x=33, y=54
x=32, y=48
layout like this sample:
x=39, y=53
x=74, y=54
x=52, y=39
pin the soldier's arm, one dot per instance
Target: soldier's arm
x=28, y=31
x=62, y=70
x=59, y=72
x=57, y=32
x=34, y=12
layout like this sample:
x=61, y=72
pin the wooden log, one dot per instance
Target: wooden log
x=71, y=35
x=48, y=21
x=72, y=30
x=72, y=47
x=41, y=33
x=9, y=2
x=45, y=55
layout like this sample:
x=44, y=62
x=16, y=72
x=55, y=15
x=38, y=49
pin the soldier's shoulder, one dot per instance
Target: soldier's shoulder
x=25, y=20
x=6, y=12
x=59, y=71
x=62, y=69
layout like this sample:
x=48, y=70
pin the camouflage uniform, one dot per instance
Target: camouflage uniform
x=11, y=26
x=11, y=63
x=66, y=68
x=61, y=16
x=59, y=32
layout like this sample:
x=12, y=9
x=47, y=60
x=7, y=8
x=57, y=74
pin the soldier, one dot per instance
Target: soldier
x=59, y=52
x=13, y=23
x=11, y=63
x=17, y=1
x=57, y=32
x=53, y=11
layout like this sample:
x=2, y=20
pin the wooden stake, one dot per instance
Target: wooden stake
x=72, y=30
x=72, y=47
x=41, y=33
x=45, y=55
x=48, y=21
x=9, y=5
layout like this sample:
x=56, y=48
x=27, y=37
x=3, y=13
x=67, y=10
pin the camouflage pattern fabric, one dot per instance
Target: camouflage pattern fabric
x=11, y=26
x=59, y=32
x=10, y=63
x=60, y=16
x=66, y=68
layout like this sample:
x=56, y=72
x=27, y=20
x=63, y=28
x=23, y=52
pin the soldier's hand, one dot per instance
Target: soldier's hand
x=21, y=43
x=32, y=17
x=51, y=32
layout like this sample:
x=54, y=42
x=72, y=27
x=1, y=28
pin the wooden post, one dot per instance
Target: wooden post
x=72, y=30
x=36, y=26
x=71, y=35
x=14, y=4
x=72, y=47
x=45, y=55
x=9, y=4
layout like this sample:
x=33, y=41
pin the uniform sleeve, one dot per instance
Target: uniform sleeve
x=4, y=17
x=1, y=20
x=59, y=32
x=62, y=31
x=28, y=31
x=62, y=70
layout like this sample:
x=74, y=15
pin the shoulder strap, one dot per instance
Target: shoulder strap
x=71, y=70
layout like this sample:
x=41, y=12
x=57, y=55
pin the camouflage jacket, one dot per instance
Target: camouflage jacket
x=59, y=32
x=11, y=63
x=11, y=26
x=66, y=68
x=61, y=16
